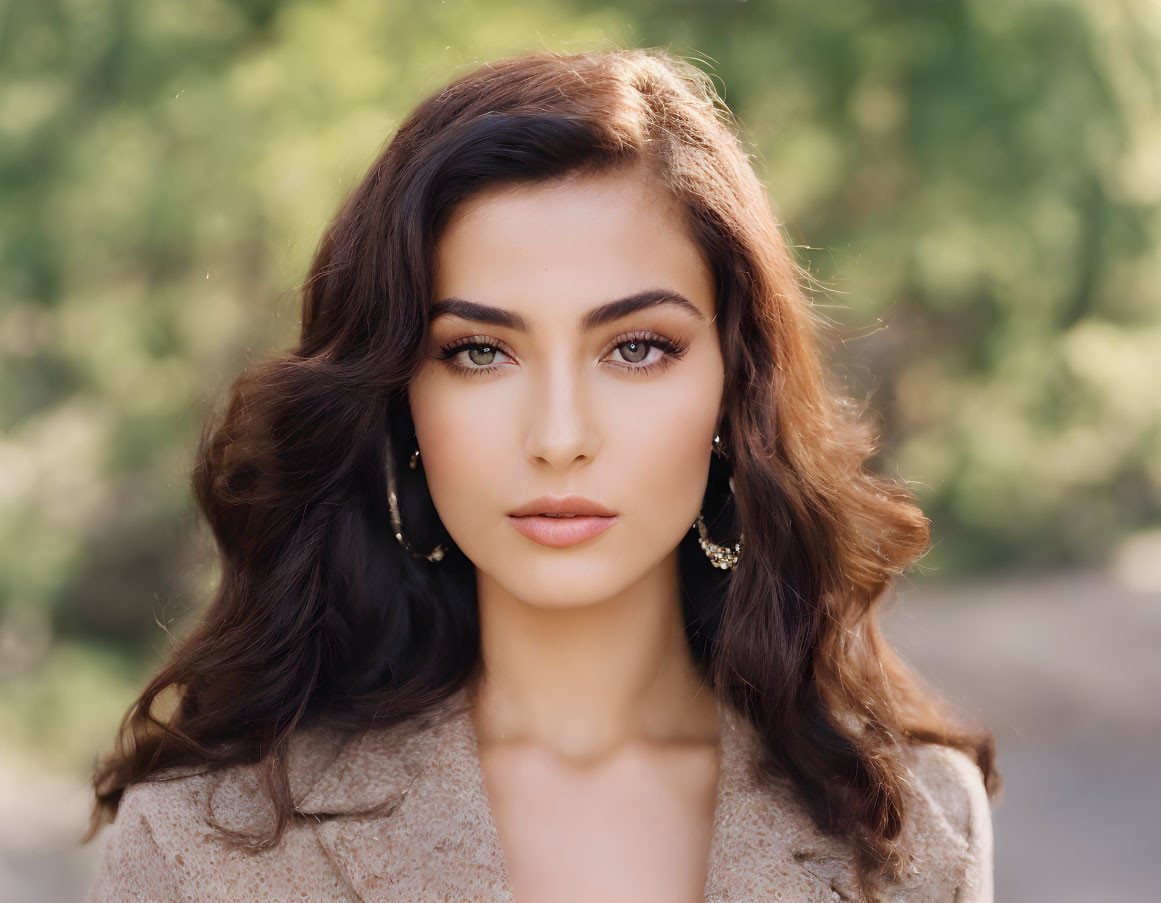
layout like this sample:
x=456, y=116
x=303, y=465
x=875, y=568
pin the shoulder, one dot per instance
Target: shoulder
x=139, y=859
x=948, y=820
x=170, y=839
x=952, y=785
x=134, y=865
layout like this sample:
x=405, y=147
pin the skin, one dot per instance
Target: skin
x=590, y=701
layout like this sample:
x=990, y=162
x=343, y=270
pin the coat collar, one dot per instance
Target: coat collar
x=403, y=815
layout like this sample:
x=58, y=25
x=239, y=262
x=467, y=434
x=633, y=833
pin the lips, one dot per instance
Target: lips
x=562, y=504
x=562, y=521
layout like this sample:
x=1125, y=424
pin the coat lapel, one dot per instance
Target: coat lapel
x=432, y=836
x=765, y=846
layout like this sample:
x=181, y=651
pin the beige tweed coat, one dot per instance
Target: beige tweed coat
x=435, y=839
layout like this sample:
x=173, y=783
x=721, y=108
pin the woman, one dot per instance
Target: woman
x=609, y=632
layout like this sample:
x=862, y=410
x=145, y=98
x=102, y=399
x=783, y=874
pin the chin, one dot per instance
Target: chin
x=564, y=579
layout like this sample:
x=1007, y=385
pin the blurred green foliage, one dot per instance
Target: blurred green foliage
x=979, y=182
x=975, y=184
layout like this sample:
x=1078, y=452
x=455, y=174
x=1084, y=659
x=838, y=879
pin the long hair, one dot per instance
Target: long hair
x=321, y=617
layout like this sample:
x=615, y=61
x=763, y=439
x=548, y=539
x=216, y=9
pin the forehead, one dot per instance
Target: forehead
x=569, y=244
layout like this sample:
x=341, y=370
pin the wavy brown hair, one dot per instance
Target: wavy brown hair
x=322, y=618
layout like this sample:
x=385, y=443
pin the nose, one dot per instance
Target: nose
x=561, y=426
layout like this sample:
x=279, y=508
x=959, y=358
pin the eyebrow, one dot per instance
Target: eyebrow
x=598, y=316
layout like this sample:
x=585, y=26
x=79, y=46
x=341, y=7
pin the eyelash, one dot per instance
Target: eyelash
x=673, y=351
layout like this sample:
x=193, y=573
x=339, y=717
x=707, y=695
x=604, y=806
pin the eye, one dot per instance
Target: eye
x=481, y=354
x=635, y=351
x=476, y=354
x=646, y=352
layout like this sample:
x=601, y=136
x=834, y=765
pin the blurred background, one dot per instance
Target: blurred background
x=974, y=184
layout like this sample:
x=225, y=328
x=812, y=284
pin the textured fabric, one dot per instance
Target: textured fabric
x=432, y=837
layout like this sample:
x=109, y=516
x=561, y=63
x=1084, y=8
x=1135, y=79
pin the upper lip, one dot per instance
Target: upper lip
x=562, y=504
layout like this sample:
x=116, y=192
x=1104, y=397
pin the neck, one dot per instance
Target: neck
x=585, y=680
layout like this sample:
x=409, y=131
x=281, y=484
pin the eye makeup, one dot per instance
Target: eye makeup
x=455, y=354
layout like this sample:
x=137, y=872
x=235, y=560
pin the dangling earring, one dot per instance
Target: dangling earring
x=724, y=557
x=393, y=502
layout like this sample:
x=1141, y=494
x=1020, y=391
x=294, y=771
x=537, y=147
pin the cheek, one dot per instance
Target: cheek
x=662, y=446
x=462, y=446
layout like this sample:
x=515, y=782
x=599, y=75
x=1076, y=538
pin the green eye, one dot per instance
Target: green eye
x=637, y=351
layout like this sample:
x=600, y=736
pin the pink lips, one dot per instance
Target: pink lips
x=576, y=519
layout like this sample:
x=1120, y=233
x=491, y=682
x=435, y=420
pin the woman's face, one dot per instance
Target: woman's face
x=572, y=352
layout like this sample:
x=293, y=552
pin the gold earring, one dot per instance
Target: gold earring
x=724, y=557
x=414, y=459
x=396, y=520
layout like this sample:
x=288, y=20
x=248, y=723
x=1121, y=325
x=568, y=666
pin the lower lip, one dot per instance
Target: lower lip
x=561, y=532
